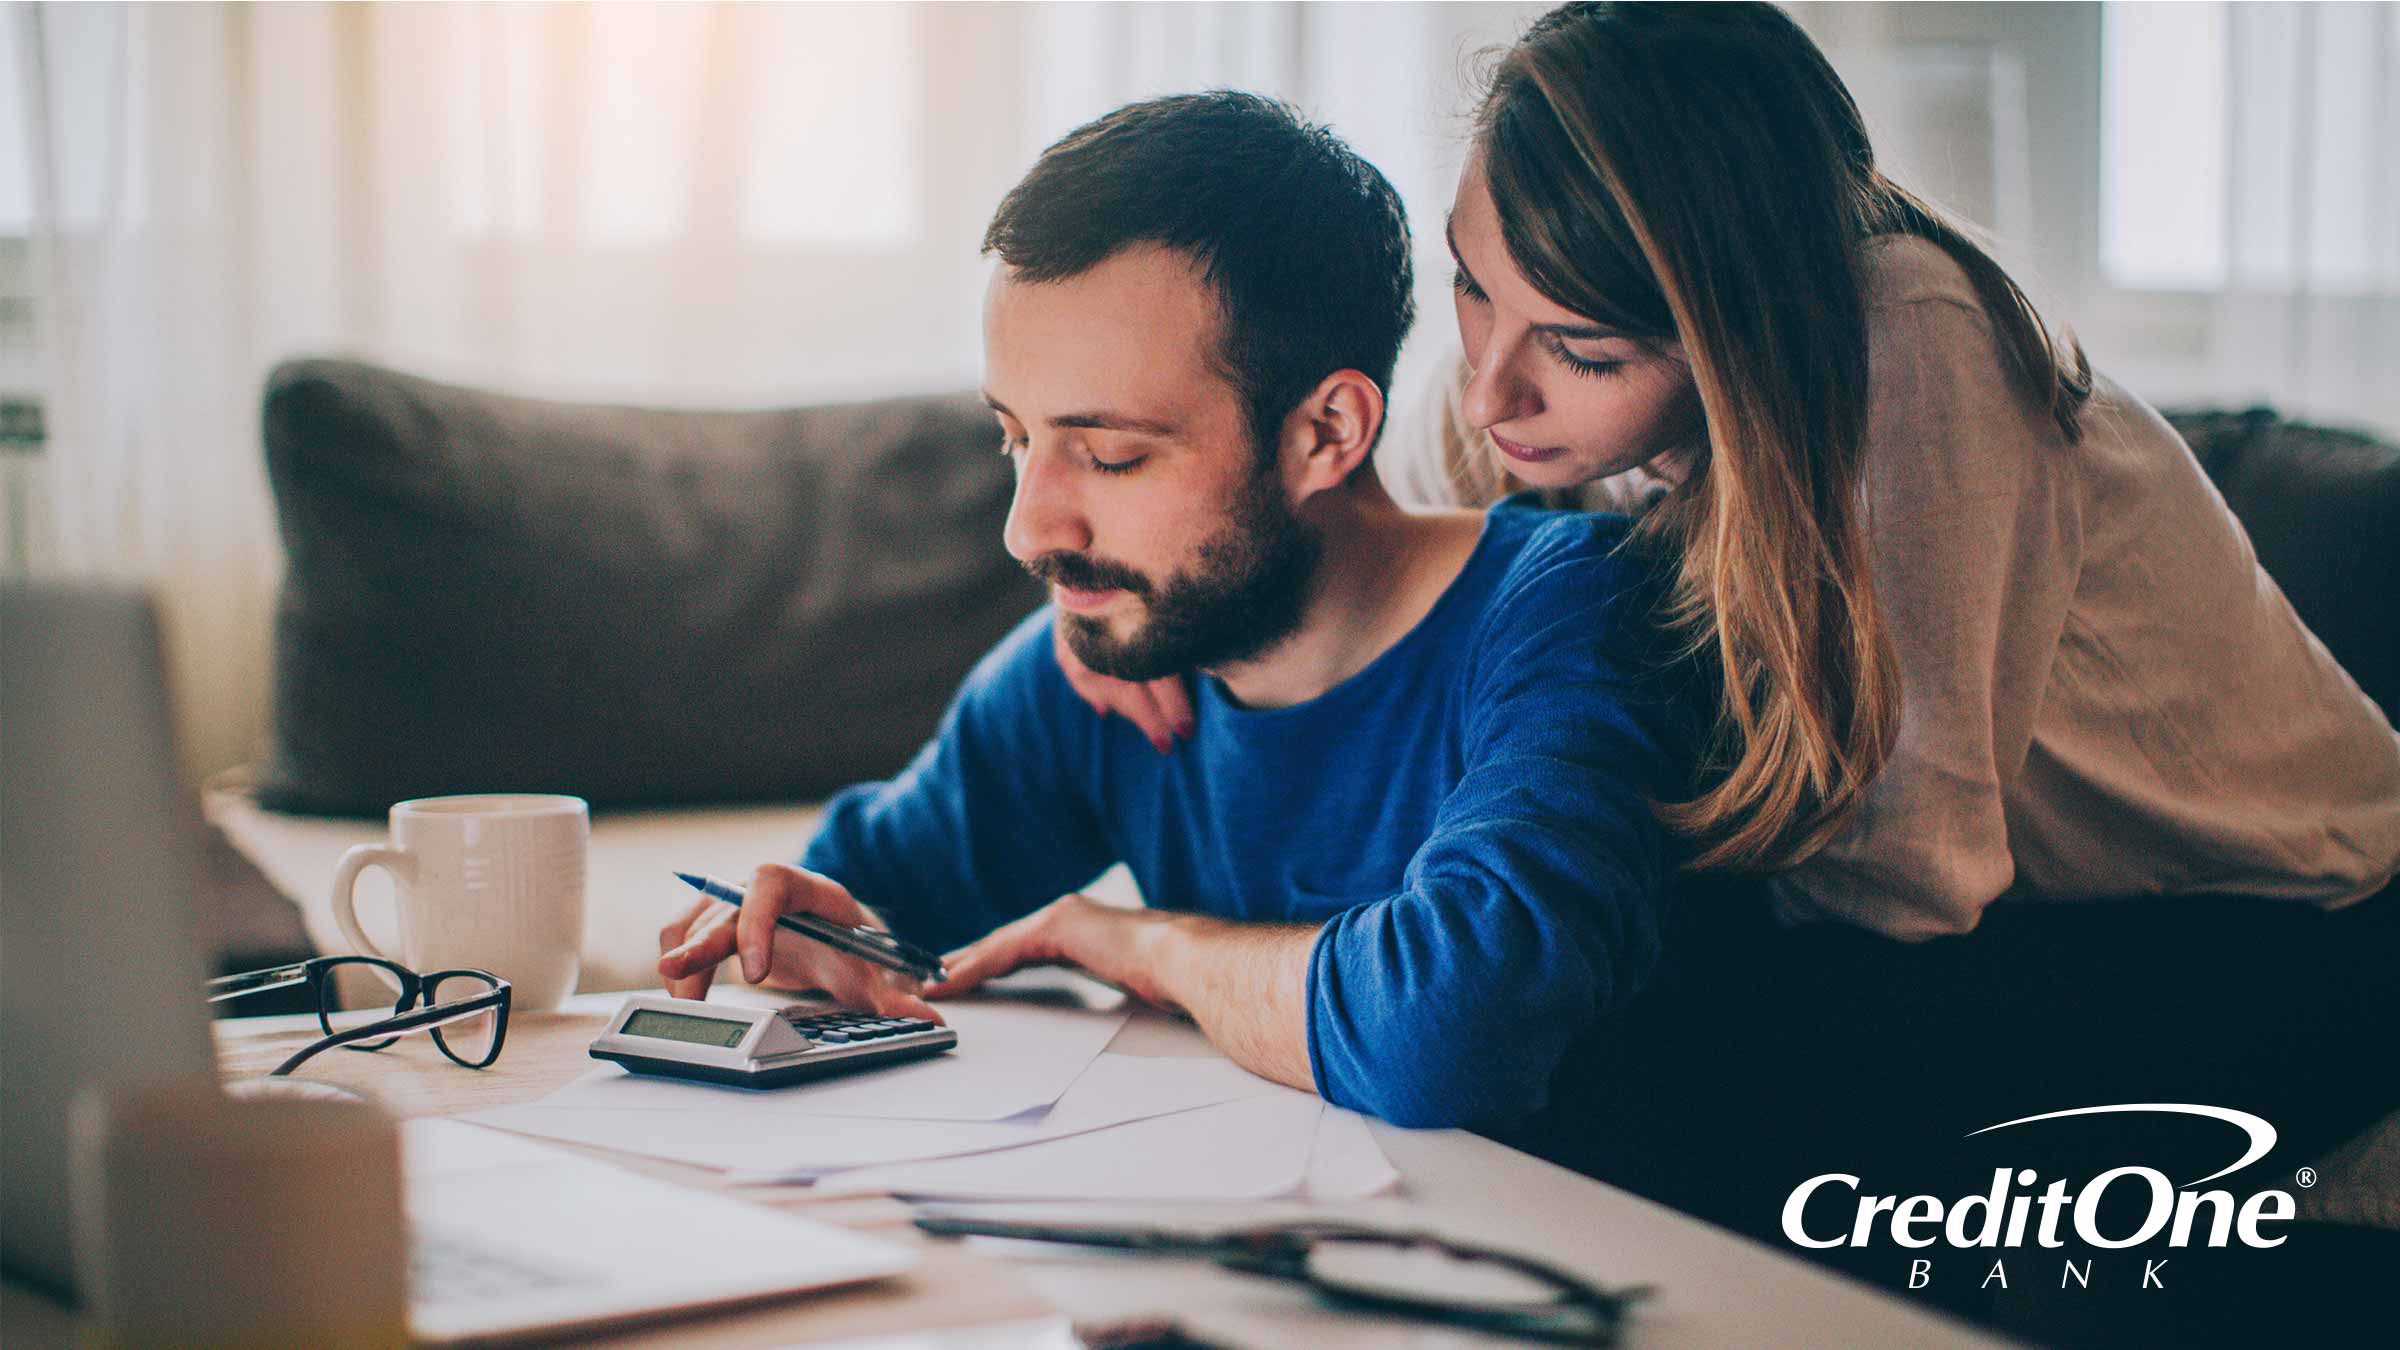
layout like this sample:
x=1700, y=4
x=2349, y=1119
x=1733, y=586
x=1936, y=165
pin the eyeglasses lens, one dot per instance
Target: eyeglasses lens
x=473, y=1041
x=360, y=984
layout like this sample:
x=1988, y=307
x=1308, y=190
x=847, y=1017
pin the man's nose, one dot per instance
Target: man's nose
x=1497, y=390
x=1046, y=514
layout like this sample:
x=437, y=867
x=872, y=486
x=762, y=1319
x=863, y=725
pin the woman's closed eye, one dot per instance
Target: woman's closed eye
x=1589, y=368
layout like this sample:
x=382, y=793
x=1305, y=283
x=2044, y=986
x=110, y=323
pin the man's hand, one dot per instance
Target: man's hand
x=1161, y=708
x=1109, y=943
x=702, y=937
x=1246, y=984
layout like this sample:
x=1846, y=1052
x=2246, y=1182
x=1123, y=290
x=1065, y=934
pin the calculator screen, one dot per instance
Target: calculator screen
x=667, y=1026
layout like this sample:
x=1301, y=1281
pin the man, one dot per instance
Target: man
x=1408, y=855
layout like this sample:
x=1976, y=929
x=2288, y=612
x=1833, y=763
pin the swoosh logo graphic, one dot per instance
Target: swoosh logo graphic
x=2262, y=1135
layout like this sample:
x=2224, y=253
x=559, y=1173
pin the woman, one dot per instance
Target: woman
x=1980, y=623
x=1981, y=636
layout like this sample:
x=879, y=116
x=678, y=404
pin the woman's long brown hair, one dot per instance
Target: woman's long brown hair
x=1699, y=174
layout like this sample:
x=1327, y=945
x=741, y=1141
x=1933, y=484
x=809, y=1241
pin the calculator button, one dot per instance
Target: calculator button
x=834, y=1037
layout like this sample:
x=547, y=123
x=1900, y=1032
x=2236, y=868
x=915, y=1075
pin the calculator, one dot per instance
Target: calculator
x=760, y=1047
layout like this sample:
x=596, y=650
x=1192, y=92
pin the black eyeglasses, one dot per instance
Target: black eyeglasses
x=1412, y=1274
x=466, y=1010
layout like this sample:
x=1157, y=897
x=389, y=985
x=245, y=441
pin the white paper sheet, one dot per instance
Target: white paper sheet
x=619, y=1244
x=1345, y=1162
x=437, y=1149
x=762, y=1137
x=1252, y=1149
x=1012, y=1057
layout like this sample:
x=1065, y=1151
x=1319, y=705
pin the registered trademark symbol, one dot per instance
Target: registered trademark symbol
x=2307, y=1177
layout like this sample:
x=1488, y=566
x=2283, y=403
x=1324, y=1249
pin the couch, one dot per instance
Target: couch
x=705, y=622
x=701, y=622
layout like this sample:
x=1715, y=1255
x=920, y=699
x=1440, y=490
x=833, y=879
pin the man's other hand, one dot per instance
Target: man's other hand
x=700, y=938
x=1117, y=945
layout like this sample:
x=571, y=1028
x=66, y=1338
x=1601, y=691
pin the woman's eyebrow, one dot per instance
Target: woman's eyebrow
x=1584, y=332
x=1587, y=332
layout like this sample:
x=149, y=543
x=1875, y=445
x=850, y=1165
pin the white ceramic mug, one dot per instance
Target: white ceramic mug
x=492, y=882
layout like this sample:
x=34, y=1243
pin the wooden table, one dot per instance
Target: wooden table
x=951, y=1286
x=1714, y=1289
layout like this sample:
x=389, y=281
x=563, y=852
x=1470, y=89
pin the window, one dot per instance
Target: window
x=2249, y=147
x=2162, y=165
x=21, y=428
x=20, y=413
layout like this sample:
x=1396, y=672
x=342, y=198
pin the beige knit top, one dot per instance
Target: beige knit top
x=2102, y=693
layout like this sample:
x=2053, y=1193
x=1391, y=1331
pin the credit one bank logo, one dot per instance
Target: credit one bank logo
x=1834, y=1210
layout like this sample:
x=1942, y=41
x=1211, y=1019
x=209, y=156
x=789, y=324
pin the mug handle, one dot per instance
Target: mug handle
x=396, y=861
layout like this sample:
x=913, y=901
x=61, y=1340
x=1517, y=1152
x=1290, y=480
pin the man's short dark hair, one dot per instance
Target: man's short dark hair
x=1305, y=242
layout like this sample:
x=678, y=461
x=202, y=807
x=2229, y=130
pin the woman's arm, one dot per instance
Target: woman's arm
x=1975, y=535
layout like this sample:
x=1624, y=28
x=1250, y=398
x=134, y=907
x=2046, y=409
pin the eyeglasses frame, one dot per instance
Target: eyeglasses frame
x=406, y=1018
x=1280, y=1251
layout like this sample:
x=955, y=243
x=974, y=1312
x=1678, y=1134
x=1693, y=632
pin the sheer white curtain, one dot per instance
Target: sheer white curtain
x=143, y=254
x=682, y=204
x=2308, y=316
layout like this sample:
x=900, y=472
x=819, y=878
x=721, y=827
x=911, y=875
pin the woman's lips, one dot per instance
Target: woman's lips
x=1530, y=454
x=1082, y=602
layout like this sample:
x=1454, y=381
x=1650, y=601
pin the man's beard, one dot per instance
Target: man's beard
x=1247, y=591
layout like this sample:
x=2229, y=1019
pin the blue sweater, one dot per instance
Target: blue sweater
x=1467, y=818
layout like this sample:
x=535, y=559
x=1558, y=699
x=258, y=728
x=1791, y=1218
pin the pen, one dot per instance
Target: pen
x=867, y=944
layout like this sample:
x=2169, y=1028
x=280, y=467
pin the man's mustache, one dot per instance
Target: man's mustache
x=1081, y=572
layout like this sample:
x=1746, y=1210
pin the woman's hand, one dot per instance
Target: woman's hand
x=1160, y=709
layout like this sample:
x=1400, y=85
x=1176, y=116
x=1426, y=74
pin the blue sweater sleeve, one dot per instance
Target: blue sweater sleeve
x=993, y=818
x=1538, y=902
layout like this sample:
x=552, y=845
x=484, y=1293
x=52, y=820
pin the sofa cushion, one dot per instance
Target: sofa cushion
x=2322, y=508
x=491, y=593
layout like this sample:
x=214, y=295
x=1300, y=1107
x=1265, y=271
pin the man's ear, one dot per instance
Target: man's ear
x=1327, y=436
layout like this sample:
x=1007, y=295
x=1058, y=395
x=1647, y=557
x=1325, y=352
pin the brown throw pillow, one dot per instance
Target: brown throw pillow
x=490, y=593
